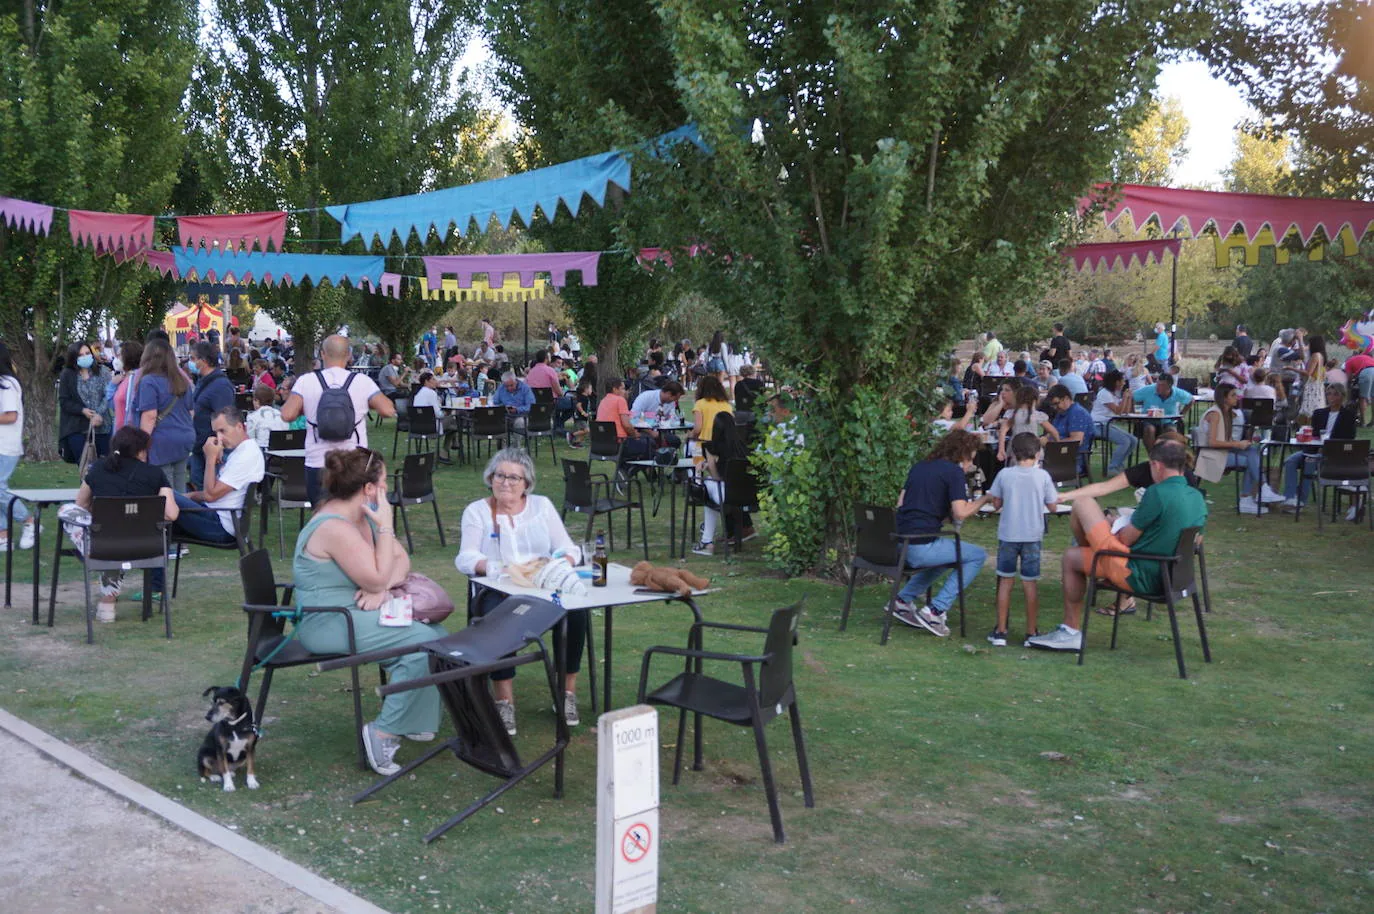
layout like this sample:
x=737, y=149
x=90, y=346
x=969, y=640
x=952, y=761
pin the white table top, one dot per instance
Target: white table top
x=287, y=452
x=683, y=463
x=45, y=495
x=1058, y=509
x=617, y=592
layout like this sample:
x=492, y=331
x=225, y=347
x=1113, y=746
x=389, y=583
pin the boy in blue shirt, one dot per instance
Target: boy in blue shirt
x=1022, y=492
x=1164, y=396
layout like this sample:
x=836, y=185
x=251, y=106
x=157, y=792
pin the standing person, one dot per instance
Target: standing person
x=710, y=400
x=935, y=490
x=1359, y=368
x=717, y=354
x=574, y=345
x=308, y=393
x=582, y=414
x=725, y=445
x=119, y=390
x=1161, y=345
x=1230, y=368
x=12, y=448
x=1114, y=400
x=488, y=334
x=1024, y=418
x=211, y=394
x=1244, y=345
x=347, y=555
x=429, y=346
x=552, y=334
x=1022, y=492
x=1314, y=377
x=1060, y=347
x=162, y=408
x=993, y=346
x=81, y=399
x=450, y=339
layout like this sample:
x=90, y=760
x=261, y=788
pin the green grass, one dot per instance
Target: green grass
x=1244, y=788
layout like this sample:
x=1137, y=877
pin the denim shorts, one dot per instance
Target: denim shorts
x=1029, y=554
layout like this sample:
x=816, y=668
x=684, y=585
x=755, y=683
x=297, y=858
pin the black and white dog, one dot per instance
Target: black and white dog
x=232, y=739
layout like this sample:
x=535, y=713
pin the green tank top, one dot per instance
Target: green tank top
x=319, y=582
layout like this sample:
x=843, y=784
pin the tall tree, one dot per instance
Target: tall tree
x=90, y=92
x=1261, y=164
x=314, y=103
x=882, y=179
x=1155, y=147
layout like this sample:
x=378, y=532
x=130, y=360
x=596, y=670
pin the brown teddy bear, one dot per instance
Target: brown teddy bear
x=668, y=580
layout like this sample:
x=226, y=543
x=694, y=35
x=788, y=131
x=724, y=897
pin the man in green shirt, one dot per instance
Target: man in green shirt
x=1169, y=507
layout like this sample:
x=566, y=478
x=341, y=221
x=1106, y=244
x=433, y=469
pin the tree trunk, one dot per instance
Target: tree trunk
x=40, y=391
x=608, y=359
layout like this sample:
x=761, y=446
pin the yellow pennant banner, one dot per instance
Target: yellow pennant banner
x=1345, y=240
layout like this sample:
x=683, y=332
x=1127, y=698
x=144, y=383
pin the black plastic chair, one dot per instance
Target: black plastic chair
x=290, y=492
x=243, y=401
x=761, y=698
x=1258, y=412
x=413, y=484
x=124, y=533
x=1344, y=467
x=1061, y=462
x=538, y=426
x=422, y=427
x=1176, y=583
x=543, y=395
x=603, y=443
x=1188, y=385
x=596, y=497
x=270, y=648
x=288, y=439
x=243, y=527
x=487, y=423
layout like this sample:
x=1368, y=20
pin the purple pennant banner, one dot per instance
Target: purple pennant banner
x=32, y=217
x=496, y=266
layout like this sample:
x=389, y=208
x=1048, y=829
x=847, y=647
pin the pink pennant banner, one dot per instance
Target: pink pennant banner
x=21, y=214
x=237, y=232
x=162, y=261
x=1112, y=254
x=1227, y=212
x=108, y=232
x=496, y=266
x=390, y=285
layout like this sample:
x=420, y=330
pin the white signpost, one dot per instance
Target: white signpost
x=627, y=833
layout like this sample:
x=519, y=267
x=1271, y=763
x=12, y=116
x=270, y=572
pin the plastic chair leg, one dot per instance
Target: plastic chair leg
x=769, y=785
x=794, y=711
x=1088, y=600
x=848, y=596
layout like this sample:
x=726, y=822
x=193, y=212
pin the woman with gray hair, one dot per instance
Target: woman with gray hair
x=511, y=527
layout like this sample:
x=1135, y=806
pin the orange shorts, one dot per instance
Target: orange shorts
x=1110, y=567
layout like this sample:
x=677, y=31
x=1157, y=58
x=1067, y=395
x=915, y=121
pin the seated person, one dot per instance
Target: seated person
x=1336, y=420
x=661, y=403
x=511, y=526
x=1170, y=505
x=225, y=486
x=266, y=418
x=517, y=398
x=614, y=408
x=1162, y=395
x=1113, y=399
x=1072, y=422
x=748, y=390
x=347, y=555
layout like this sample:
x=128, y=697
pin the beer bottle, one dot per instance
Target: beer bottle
x=599, y=569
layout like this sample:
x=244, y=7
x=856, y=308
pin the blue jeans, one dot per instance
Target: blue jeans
x=1009, y=552
x=203, y=525
x=927, y=559
x=1123, y=443
x=7, y=466
x=1296, y=473
x=1250, y=460
x=196, y=470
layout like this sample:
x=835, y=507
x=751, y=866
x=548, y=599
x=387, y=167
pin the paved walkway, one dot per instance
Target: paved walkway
x=77, y=836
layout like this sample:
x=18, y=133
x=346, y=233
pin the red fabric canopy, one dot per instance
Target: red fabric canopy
x=233, y=232
x=1126, y=253
x=1227, y=211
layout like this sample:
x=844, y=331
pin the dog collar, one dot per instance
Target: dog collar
x=235, y=721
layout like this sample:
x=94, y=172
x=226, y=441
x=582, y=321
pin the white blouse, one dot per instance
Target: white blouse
x=536, y=532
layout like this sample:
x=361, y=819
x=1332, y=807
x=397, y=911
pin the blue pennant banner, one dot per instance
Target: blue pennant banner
x=275, y=269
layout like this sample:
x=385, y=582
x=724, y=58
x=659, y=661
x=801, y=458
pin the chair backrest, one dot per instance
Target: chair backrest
x=775, y=679
x=293, y=487
x=987, y=386
x=260, y=589
x=126, y=529
x=417, y=475
x=542, y=395
x=243, y=520
x=289, y=439
x=1084, y=400
x=604, y=442
x=1259, y=411
x=741, y=486
x=1188, y=385
x=874, y=526
x=1345, y=460
x=244, y=402
x=577, y=484
x=1181, y=572
x=1061, y=460
x=489, y=421
x=540, y=418
x=403, y=414
x=423, y=420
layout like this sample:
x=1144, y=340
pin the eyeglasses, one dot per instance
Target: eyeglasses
x=506, y=478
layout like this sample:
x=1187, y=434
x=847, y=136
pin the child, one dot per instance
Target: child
x=582, y=414
x=266, y=418
x=1020, y=491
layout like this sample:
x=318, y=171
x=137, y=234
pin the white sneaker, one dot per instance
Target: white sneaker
x=381, y=753
x=570, y=709
x=1248, y=505
x=1267, y=494
x=932, y=621
x=105, y=612
x=507, y=711
x=28, y=535
x=1353, y=514
x=1292, y=503
x=1062, y=638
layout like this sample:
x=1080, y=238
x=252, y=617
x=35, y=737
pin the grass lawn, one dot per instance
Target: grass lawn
x=949, y=775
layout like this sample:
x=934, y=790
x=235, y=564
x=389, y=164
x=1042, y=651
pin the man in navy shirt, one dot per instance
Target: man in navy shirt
x=935, y=490
x=1072, y=422
x=212, y=393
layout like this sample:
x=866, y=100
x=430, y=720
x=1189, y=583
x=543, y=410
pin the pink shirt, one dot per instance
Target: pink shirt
x=308, y=388
x=543, y=375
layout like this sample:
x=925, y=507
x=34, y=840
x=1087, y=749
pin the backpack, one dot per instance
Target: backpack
x=334, y=416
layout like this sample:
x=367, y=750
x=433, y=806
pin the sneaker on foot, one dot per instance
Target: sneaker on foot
x=507, y=712
x=1062, y=638
x=424, y=736
x=105, y=612
x=997, y=639
x=749, y=533
x=1029, y=636
x=932, y=621
x=704, y=549
x=1248, y=505
x=570, y=709
x=27, y=535
x=1292, y=503
x=381, y=753
x=1353, y=514
x=1267, y=494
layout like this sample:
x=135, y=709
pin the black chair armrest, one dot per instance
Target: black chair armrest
x=730, y=627
x=264, y=608
x=707, y=655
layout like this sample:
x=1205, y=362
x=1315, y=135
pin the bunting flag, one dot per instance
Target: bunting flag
x=275, y=269
x=502, y=198
x=1109, y=255
x=495, y=266
x=21, y=214
x=1231, y=213
x=108, y=232
x=233, y=233
x=1344, y=241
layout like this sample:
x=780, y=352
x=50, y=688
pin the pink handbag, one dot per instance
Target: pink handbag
x=430, y=602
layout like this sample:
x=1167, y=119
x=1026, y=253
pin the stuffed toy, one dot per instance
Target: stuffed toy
x=667, y=580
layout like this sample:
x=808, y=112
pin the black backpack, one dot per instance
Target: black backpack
x=334, y=416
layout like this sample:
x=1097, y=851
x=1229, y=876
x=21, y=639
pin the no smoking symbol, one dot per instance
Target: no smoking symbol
x=635, y=844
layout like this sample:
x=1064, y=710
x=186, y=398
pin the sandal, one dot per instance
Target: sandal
x=1110, y=611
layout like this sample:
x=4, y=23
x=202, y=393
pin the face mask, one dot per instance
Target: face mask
x=85, y=361
x=193, y=368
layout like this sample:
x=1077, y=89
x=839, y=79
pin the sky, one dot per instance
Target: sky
x=1213, y=109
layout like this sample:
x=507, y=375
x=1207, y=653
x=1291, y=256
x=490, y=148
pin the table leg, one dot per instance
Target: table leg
x=37, y=554
x=672, y=515
x=9, y=552
x=606, y=661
